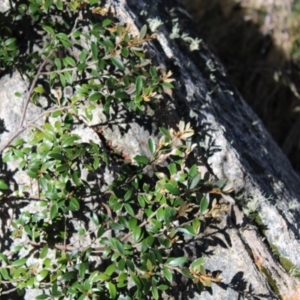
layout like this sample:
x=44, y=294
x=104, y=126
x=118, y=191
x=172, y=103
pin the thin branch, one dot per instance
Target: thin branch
x=32, y=123
x=32, y=86
x=69, y=69
x=59, y=71
x=8, y=291
x=21, y=127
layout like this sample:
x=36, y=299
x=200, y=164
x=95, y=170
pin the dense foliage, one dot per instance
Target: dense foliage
x=83, y=61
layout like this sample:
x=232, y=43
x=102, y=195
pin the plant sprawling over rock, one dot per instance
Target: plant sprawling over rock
x=78, y=236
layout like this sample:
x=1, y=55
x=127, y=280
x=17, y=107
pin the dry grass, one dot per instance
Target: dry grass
x=258, y=41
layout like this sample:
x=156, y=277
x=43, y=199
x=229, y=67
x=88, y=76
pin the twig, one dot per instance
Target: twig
x=60, y=71
x=32, y=86
x=8, y=291
x=23, y=128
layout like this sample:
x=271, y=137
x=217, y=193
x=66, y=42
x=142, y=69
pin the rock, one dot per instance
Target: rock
x=233, y=144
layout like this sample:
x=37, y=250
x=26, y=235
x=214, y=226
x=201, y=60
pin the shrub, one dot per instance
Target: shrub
x=124, y=245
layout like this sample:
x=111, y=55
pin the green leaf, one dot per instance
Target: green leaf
x=62, y=79
x=69, y=140
x=94, y=50
x=129, y=209
x=188, y=230
x=130, y=265
x=141, y=200
x=81, y=231
x=69, y=61
x=141, y=160
x=196, y=179
x=196, y=263
x=132, y=223
x=9, y=41
x=121, y=264
x=32, y=174
x=140, y=54
x=196, y=225
x=48, y=29
x=42, y=297
x=127, y=196
x=137, y=281
x=139, y=85
x=168, y=274
x=122, y=281
x=47, y=4
x=100, y=231
x=107, y=43
x=74, y=204
x=53, y=211
x=151, y=146
x=155, y=292
x=44, y=252
x=42, y=275
x=117, y=245
x=95, y=97
x=110, y=269
x=118, y=63
x=143, y=32
x=137, y=232
x=69, y=275
x=153, y=72
x=83, y=55
x=106, y=22
x=4, y=273
x=95, y=219
x=149, y=240
x=116, y=226
x=125, y=52
x=172, y=189
x=193, y=171
x=57, y=62
x=62, y=36
x=175, y=262
x=172, y=168
x=160, y=214
x=20, y=262
x=59, y=4
x=163, y=287
x=112, y=290
x=83, y=267
x=3, y=185
x=68, y=77
x=3, y=257
x=39, y=90
x=54, y=291
x=168, y=85
x=166, y=133
x=62, y=168
x=76, y=34
x=120, y=94
x=101, y=277
x=203, y=205
x=56, y=155
x=221, y=183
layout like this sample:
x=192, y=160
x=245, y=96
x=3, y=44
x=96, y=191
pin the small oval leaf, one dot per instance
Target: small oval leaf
x=3, y=185
x=151, y=146
x=118, y=63
x=175, y=262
